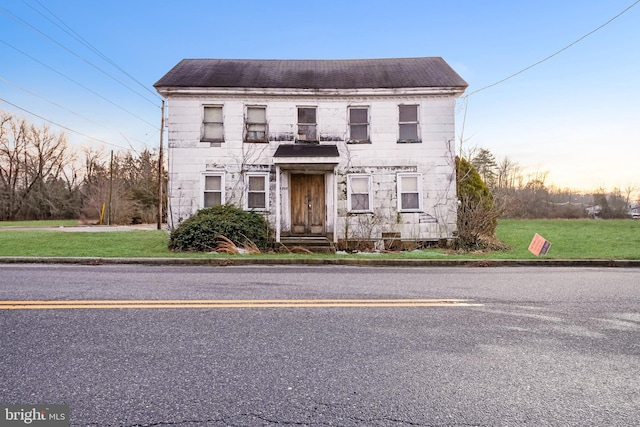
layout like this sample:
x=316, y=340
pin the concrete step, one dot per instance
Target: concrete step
x=310, y=243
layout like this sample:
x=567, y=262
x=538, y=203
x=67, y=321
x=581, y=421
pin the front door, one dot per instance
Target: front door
x=307, y=204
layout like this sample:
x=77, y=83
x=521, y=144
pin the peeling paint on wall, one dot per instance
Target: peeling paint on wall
x=383, y=158
x=331, y=138
x=282, y=137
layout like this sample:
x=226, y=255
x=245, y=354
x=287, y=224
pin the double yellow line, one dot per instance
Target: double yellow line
x=284, y=303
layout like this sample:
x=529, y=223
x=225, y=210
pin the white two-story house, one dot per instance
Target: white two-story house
x=348, y=149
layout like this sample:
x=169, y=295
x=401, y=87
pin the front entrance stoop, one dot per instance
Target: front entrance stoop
x=315, y=244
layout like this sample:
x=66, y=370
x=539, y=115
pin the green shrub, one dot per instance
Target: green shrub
x=199, y=232
x=477, y=213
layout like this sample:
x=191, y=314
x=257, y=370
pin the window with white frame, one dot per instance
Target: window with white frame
x=257, y=186
x=213, y=190
x=410, y=192
x=256, y=124
x=408, y=123
x=212, y=124
x=358, y=124
x=307, y=125
x=359, y=191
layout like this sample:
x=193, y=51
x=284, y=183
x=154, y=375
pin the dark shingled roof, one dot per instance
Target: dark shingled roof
x=306, y=150
x=313, y=74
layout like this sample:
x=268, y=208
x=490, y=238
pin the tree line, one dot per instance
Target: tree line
x=43, y=177
x=517, y=195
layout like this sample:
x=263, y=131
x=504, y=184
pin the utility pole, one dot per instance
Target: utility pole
x=160, y=169
x=110, y=187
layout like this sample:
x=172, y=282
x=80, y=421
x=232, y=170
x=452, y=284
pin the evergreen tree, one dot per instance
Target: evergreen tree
x=485, y=164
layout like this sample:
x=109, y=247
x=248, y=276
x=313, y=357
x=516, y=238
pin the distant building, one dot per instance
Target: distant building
x=593, y=211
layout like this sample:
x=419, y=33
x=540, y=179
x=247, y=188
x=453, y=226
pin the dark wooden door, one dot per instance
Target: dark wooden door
x=307, y=204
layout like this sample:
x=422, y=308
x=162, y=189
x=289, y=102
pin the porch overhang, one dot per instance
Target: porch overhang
x=311, y=156
x=305, y=159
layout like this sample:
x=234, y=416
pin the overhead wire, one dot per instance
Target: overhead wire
x=62, y=107
x=555, y=53
x=93, y=49
x=71, y=32
x=65, y=127
x=51, y=39
x=78, y=83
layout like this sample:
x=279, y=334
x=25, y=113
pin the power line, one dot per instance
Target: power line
x=32, y=28
x=79, y=84
x=555, y=53
x=67, y=29
x=61, y=106
x=65, y=127
x=45, y=99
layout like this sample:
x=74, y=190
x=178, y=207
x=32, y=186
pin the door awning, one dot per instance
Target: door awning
x=300, y=154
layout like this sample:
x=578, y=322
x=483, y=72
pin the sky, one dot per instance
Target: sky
x=571, y=113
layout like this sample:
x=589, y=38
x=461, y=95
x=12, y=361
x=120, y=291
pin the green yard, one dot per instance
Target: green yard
x=39, y=224
x=570, y=239
x=579, y=238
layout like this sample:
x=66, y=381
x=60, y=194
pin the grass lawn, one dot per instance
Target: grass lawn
x=575, y=239
x=47, y=243
x=51, y=223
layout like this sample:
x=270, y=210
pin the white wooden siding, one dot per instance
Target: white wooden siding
x=382, y=158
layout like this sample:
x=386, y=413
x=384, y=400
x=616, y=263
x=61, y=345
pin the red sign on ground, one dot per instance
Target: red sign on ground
x=539, y=245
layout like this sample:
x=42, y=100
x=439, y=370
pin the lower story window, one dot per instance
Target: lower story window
x=213, y=190
x=257, y=191
x=359, y=190
x=410, y=192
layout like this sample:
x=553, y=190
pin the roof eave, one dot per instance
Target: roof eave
x=169, y=91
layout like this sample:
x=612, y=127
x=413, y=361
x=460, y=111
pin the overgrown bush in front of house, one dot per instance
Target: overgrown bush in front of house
x=477, y=212
x=200, y=231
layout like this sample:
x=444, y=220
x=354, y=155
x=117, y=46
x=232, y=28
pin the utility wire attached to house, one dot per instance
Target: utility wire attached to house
x=553, y=54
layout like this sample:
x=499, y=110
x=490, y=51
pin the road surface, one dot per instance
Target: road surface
x=341, y=346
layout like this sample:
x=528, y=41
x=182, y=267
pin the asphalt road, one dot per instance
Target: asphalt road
x=508, y=347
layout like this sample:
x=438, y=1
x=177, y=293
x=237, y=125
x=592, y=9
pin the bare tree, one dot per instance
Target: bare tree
x=618, y=204
x=126, y=189
x=31, y=160
x=628, y=192
x=39, y=178
x=13, y=144
x=507, y=173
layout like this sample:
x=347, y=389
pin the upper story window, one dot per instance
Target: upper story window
x=256, y=125
x=410, y=192
x=212, y=126
x=307, y=125
x=408, y=123
x=213, y=194
x=358, y=124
